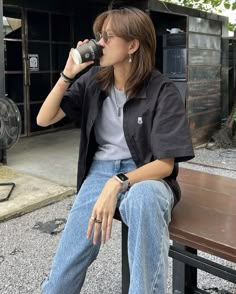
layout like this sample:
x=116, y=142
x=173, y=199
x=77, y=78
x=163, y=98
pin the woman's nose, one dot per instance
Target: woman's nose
x=101, y=42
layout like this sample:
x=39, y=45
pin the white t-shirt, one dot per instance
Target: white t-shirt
x=108, y=128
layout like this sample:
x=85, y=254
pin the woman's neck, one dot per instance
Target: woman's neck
x=120, y=77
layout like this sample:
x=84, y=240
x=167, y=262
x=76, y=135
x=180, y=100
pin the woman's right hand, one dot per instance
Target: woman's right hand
x=71, y=68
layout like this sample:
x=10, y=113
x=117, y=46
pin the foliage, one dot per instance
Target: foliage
x=215, y=6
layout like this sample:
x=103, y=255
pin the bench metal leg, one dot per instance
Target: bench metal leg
x=184, y=276
x=125, y=261
x=3, y=156
x=185, y=265
x=9, y=193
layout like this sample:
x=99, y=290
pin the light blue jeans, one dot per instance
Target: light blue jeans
x=145, y=208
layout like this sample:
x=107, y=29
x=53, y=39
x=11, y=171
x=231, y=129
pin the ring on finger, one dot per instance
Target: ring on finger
x=98, y=221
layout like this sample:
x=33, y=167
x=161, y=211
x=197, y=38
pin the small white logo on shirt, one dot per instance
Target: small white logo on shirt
x=140, y=120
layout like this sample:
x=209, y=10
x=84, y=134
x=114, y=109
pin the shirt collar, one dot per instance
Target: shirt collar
x=142, y=93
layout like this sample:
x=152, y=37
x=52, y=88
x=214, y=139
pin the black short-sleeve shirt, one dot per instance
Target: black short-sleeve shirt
x=154, y=123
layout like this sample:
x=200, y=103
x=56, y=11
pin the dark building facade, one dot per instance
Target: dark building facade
x=35, y=40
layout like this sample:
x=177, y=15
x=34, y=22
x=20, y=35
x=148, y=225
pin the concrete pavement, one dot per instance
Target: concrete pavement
x=51, y=156
x=29, y=193
x=35, y=166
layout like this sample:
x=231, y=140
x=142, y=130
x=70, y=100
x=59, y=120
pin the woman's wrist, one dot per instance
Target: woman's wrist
x=62, y=84
x=115, y=184
x=68, y=73
x=66, y=78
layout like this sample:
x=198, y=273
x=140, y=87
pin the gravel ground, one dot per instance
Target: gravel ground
x=219, y=162
x=26, y=252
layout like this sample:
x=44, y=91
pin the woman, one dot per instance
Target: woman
x=133, y=133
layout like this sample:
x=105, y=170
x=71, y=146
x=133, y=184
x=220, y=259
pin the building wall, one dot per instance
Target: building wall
x=204, y=77
x=52, y=5
x=203, y=95
x=204, y=52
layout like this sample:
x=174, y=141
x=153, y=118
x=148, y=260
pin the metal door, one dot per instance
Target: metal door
x=36, y=44
x=14, y=44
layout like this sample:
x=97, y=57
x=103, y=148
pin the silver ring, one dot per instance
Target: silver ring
x=98, y=221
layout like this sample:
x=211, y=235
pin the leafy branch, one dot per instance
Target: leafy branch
x=215, y=6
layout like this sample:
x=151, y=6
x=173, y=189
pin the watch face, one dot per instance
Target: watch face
x=122, y=177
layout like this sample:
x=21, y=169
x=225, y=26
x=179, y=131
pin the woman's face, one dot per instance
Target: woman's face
x=115, y=49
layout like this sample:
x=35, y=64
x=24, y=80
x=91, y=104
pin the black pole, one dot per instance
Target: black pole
x=2, y=74
x=3, y=156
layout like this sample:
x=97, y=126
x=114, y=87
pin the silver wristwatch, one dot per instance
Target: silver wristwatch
x=124, y=180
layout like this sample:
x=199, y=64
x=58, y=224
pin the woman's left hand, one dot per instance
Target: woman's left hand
x=103, y=212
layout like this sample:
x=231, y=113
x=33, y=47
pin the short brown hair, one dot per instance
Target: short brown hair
x=129, y=24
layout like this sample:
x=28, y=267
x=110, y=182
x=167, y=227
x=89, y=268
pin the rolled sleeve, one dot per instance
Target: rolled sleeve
x=170, y=136
x=73, y=100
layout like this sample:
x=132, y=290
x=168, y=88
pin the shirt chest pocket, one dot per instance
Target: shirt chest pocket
x=140, y=125
x=139, y=128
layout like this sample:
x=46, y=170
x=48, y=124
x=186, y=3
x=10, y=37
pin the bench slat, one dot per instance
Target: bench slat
x=208, y=181
x=209, y=199
x=205, y=218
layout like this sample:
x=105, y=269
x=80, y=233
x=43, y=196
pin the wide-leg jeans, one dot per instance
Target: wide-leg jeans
x=145, y=209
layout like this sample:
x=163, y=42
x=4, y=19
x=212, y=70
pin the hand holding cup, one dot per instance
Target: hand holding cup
x=71, y=68
x=86, y=52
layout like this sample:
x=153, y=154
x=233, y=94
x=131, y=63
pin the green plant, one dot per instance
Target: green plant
x=216, y=6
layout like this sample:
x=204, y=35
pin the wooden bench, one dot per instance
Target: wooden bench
x=205, y=220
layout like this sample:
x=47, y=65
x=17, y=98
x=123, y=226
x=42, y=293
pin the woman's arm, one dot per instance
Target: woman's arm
x=50, y=112
x=154, y=170
x=105, y=206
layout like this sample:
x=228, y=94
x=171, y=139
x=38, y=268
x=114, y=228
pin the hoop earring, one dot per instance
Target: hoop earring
x=130, y=58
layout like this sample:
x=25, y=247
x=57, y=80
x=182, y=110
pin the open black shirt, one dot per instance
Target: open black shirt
x=155, y=124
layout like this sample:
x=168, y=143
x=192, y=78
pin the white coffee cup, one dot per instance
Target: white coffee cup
x=87, y=52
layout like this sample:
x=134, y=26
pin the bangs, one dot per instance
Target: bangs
x=120, y=23
x=100, y=21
